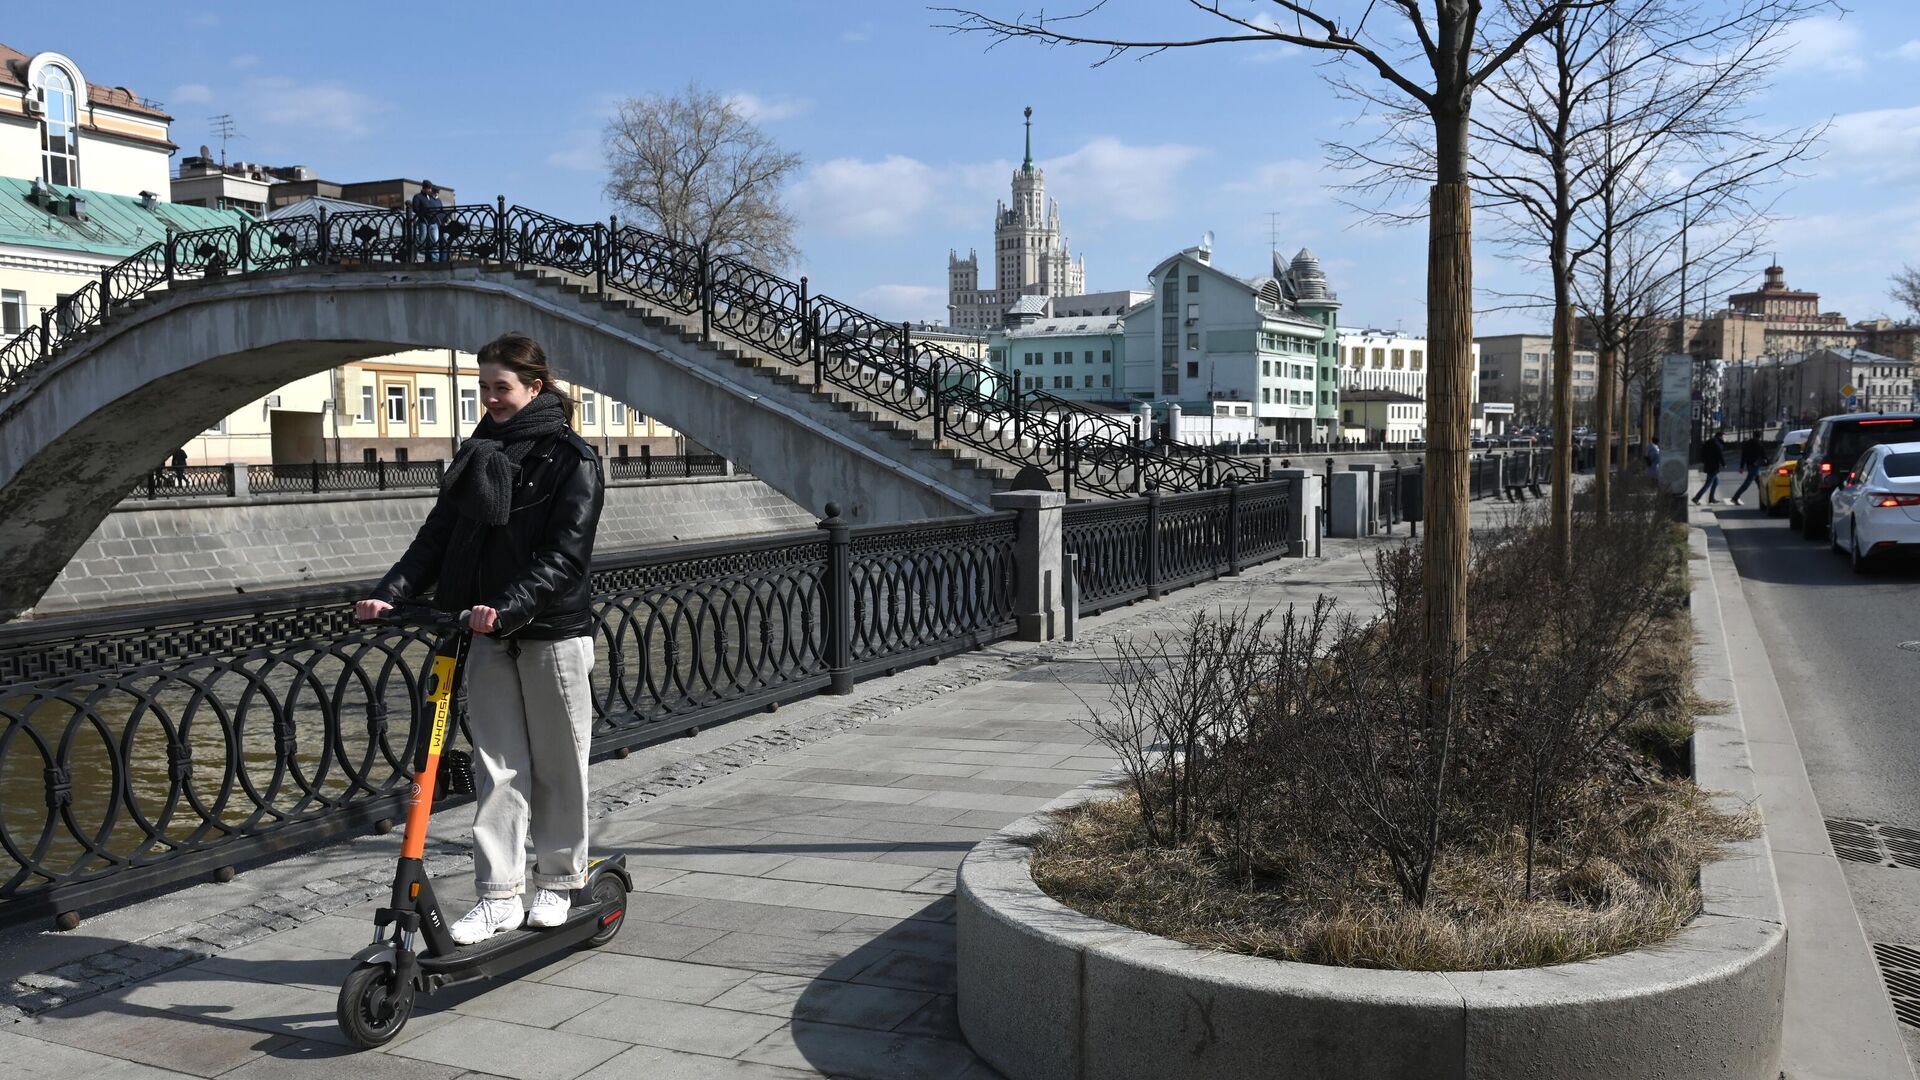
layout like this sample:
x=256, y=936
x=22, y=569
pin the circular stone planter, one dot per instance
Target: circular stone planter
x=1046, y=993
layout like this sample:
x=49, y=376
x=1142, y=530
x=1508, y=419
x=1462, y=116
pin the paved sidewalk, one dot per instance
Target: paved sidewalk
x=792, y=914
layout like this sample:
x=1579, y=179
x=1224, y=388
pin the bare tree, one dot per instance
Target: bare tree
x=1435, y=60
x=696, y=169
x=1906, y=288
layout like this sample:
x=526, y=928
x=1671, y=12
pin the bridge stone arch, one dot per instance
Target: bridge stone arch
x=79, y=433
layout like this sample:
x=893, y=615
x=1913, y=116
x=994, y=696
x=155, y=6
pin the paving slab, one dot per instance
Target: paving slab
x=513, y=1050
x=657, y=1063
x=647, y=977
x=859, y=1054
x=182, y=1044
x=675, y=1026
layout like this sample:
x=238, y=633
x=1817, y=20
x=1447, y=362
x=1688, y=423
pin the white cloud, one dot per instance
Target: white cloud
x=768, y=110
x=329, y=107
x=859, y=35
x=853, y=197
x=191, y=94
x=1909, y=51
x=245, y=61
x=581, y=152
x=1109, y=179
x=911, y=302
x=1827, y=45
x=206, y=19
x=1293, y=179
x=1877, y=144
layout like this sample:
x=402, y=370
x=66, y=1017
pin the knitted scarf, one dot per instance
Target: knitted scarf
x=483, y=473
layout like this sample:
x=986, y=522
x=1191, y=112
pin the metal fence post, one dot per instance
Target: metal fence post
x=106, y=294
x=646, y=461
x=838, y=613
x=46, y=332
x=706, y=297
x=246, y=247
x=380, y=474
x=1154, y=591
x=409, y=240
x=316, y=478
x=806, y=320
x=500, y=248
x=608, y=254
x=1233, y=530
x=320, y=247
x=817, y=353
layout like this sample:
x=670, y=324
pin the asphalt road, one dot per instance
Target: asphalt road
x=1852, y=693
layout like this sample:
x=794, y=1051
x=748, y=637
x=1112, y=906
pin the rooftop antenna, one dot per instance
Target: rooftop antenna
x=224, y=127
x=1273, y=230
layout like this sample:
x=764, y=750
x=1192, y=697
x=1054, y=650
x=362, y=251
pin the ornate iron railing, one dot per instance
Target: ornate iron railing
x=883, y=363
x=1127, y=550
x=176, y=482
x=157, y=749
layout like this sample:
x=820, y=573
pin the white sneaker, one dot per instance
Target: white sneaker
x=549, y=909
x=488, y=917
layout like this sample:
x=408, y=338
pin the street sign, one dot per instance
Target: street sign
x=1850, y=402
x=1848, y=391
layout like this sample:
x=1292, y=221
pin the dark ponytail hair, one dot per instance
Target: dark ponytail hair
x=524, y=357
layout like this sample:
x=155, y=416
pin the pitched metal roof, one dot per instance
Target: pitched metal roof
x=116, y=224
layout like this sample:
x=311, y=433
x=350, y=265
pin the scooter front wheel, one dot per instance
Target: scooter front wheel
x=374, y=1006
x=611, y=894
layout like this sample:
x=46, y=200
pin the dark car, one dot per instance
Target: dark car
x=1836, y=444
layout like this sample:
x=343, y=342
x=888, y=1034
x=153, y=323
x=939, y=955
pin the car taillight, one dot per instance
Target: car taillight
x=1784, y=471
x=1888, y=498
x=1826, y=466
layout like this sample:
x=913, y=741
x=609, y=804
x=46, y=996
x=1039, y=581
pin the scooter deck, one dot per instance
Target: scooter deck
x=504, y=952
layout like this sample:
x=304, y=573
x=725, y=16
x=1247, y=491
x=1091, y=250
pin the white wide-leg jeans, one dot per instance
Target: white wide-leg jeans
x=531, y=718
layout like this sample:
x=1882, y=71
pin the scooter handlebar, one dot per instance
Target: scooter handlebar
x=408, y=616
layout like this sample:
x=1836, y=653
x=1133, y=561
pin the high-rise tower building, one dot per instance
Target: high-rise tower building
x=1031, y=257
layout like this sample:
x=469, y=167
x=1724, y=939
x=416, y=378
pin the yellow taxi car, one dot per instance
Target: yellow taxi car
x=1776, y=484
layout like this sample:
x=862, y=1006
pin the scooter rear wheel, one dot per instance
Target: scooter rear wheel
x=611, y=893
x=369, y=994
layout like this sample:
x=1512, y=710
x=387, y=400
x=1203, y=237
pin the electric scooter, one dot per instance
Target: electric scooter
x=377, y=998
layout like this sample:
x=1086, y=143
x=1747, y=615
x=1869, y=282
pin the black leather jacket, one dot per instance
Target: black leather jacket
x=534, y=569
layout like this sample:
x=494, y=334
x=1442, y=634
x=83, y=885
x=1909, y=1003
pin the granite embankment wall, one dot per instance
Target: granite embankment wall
x=189, y=548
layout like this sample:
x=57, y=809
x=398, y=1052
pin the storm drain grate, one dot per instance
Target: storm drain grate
x=1900, y=967
x=1873, y=842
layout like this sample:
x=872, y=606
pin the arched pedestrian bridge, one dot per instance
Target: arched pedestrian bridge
x=820, y=400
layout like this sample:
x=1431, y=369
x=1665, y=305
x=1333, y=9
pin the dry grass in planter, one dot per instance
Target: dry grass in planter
x=1293, y=795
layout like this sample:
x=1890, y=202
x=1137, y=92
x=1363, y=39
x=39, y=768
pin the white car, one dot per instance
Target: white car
x=1877, y=511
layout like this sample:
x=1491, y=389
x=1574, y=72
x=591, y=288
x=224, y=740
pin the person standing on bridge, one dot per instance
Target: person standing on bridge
x=427, y=211
x=511, y=537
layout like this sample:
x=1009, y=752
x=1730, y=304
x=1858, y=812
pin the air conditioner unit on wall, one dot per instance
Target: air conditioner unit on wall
x=36, y=102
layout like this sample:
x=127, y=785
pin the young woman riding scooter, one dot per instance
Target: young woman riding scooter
x=511, y=538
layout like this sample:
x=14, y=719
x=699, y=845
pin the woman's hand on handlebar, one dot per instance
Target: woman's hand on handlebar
x=370, y=609
x=484, y=620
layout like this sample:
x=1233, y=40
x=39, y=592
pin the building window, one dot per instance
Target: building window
x=469, y=405
x=1086, y=382
x=589, y=408
x=1088, y=359
x=429, y=405
x=1193, y=341
x=1106, y=356
x=59, y=152
x=1193, y=369
x=1266, y=395
x=13, y=311
x=617, y=413
x=1193, y=282
x=396, y=403
x=366, y=405
x=219, y=427
x=1107, y=381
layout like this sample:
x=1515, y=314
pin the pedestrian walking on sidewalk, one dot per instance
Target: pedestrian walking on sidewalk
x=511, y=538
x=1653, y=459
x=1753, y=460
x=1713, y=458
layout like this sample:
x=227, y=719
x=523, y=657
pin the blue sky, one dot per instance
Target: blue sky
x=910, y=134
